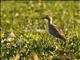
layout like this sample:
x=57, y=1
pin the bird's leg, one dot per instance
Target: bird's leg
x=64, y=44
x=56, y=44
x=61, y=44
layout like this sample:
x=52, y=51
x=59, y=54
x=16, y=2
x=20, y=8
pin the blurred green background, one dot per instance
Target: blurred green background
x=24, y=34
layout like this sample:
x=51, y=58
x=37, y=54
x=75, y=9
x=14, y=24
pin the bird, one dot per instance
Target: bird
x=53, y=30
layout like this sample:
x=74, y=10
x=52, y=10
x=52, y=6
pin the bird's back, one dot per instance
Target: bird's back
x=54, y=31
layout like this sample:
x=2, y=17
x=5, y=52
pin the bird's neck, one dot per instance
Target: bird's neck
x=50, y=21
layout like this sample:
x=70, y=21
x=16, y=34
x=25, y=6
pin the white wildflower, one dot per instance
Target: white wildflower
x=10, y=36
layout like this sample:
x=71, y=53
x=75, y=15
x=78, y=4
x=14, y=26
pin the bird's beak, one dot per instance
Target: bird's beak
x=43, y=17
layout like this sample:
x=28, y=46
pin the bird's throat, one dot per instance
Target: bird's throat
x=49, y=21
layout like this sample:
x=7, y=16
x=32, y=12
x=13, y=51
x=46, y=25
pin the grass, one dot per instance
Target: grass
x=24, y=35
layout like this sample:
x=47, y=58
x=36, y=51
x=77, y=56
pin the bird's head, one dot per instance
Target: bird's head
x=49, y=18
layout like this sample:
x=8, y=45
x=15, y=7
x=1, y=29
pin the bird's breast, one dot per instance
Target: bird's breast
x=51, y=31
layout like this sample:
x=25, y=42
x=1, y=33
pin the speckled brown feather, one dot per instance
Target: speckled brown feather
x=53, y=30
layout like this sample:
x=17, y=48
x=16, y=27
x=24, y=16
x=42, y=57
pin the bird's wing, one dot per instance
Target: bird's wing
x=56, y=31
x=61, y=32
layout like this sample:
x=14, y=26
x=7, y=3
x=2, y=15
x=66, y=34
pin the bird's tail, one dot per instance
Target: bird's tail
x=65, y=41
x=64, y=38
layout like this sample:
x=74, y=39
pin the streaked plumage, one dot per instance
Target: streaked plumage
x=53, y=30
